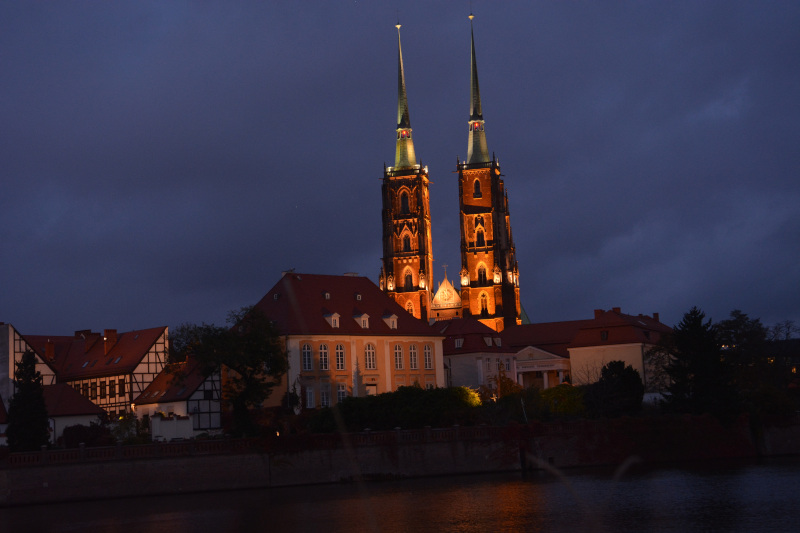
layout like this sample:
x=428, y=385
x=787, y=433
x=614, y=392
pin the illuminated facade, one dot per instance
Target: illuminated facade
x=407, y=264
x=489, y=274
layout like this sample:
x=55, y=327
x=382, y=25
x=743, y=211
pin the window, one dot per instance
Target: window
x=404, y=204
x=409, y=308
x=398, y=357
x=477, y=189
x=310, y=398
x=112, y=388
x=409, y=285
x=459, y=343
x=323, y=357
x=208, y=394
x=603, y=335
x=479, y=239
x=325, y=395
x=103, y=390
x=369, y=357
x=339, y=357
x=406, y=243
x=341, y=391
x=508, y=365
x=335, y=322
x=428, y=358
x=481, y=276
x=412, y=357
x=93, y=391
x=306, y=357
x=85, y=389
x=484, y=304
x=121, y=386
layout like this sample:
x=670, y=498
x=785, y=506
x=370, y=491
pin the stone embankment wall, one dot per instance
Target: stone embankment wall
x=227, y=465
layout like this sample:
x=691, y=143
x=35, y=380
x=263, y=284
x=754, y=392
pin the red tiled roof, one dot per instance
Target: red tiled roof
x=177, y=382
x=619, y=328
x=298, y=305
x=62, y=400
x=83, y=355
x=473, y=334
x=553, y=337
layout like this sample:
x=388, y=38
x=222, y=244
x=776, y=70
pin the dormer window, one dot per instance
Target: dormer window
x=488, y=341
x=497, y=341
x=391, y=321
x=362, y=320
x=459, y=343
x=333, y=319
x=276, y=296
x=358, y=296
x=326, y=295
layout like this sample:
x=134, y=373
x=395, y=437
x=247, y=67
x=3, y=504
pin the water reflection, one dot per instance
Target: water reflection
x=754, y=497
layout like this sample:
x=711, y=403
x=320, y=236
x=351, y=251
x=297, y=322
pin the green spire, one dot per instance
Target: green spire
x=404, y=153
x=477, y=151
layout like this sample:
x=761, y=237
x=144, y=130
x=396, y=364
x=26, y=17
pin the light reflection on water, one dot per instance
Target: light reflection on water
x=745, y=497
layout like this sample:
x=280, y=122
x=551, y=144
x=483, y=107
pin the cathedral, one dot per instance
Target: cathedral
x=489, y=276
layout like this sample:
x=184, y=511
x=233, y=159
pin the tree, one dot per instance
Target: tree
x=251, y=352
x=28, y=426
x=700, y=378
x=619, y=391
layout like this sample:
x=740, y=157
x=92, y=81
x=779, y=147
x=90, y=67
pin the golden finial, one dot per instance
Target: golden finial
x=471, y=16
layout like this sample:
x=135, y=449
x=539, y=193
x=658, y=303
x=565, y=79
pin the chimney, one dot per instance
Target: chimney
x=617, y=310
x=109, y=339
x=49, y=350
x=655, y=317
x=598, y=313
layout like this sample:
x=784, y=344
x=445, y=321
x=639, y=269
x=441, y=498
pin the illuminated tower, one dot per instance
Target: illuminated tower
x=489, y=273
x=407, y=262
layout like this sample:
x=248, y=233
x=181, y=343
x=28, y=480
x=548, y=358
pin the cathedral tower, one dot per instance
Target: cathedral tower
x=407, y=263
x=489, y=273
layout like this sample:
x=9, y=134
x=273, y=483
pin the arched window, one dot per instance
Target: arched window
x=323, y=357
x=339, y=357
x=410, y=308
x=404, y=203
x=369, y=357
x=484, y=304
x=479, y=239
x=406, y=243
x=307, y=357
x=398, y=357
x=477, y=192
x=481, y=276
x=409, y=285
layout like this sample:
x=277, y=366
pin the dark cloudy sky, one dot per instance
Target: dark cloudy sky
x=163, y=162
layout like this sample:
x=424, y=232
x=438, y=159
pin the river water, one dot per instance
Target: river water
x=743, y=497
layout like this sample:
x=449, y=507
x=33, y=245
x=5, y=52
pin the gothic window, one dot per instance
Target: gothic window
x=406, y=243
x=477, y=192
x=481, y=276
x=409, y=285
x=404, y=203
x=306, y=357
x=369, y=357
x=479, y=239
x=410, y=307
x=484, y=304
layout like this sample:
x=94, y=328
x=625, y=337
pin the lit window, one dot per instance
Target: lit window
x=307, y=357
x=398, y=357
x=481, y=276
x=339, y=357
x=428, y=358
x=412, y=357
x=369, y=357
x=323, y=357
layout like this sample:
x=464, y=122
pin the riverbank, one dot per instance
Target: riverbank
x=187, y=467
